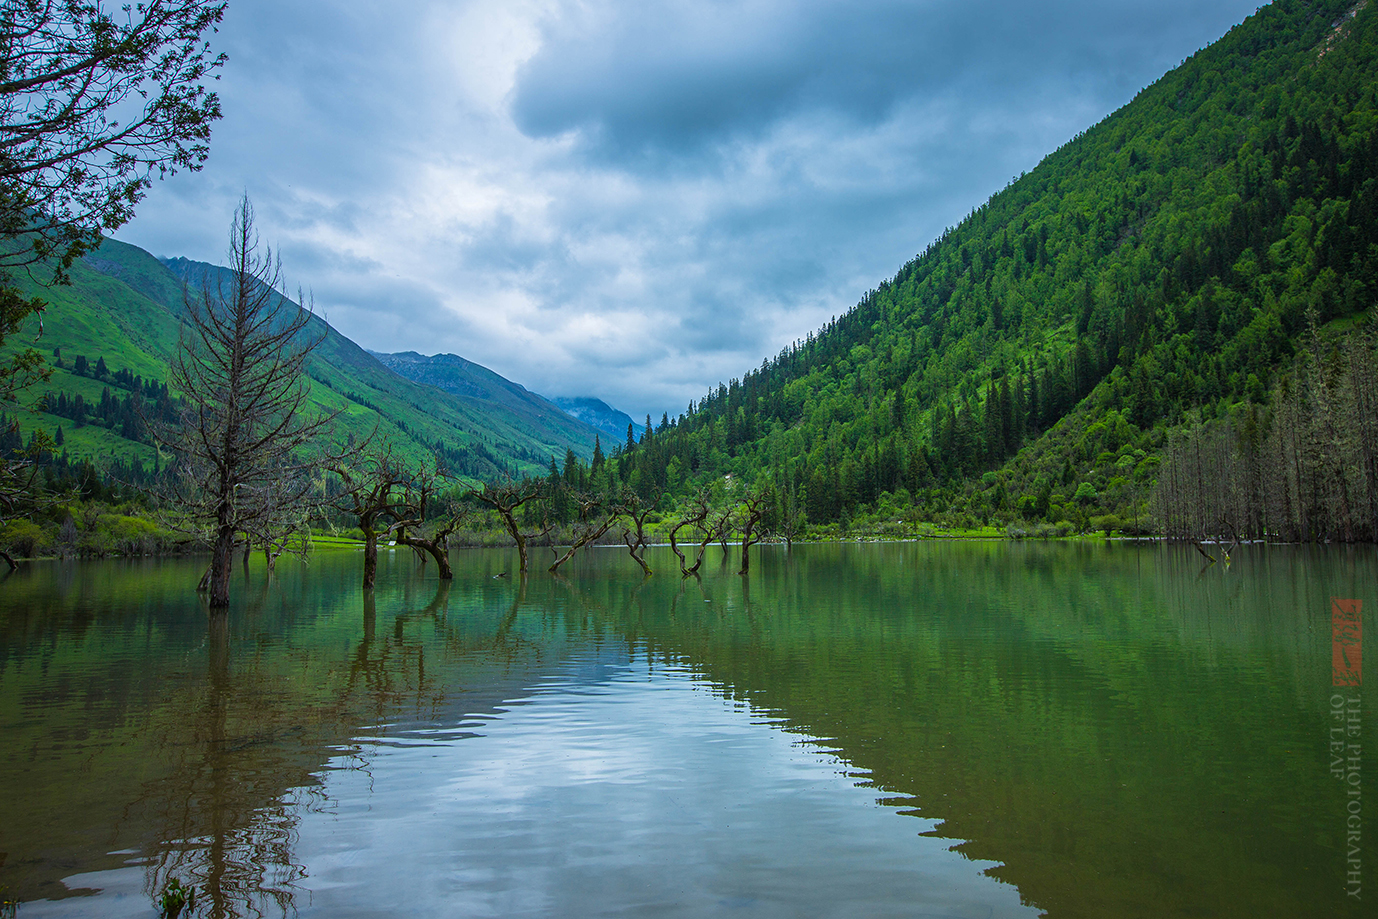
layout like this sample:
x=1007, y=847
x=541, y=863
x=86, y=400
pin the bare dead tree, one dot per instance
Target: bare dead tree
x=754, y=508
x=507, y=498
x=723, y=521
x=240, y=367
x=637, y=510
x=595, y=519
x=419, y=498
x=435, y=543
x=696, y=516
x=280, y=524
x=374, y=481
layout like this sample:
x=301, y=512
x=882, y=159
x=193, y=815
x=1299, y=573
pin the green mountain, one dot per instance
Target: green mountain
x=479, y=386
x=1205, y=259
x=110, y=334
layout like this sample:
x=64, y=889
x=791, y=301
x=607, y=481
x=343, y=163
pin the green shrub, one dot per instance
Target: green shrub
x=26, y=538
x=1106, y=523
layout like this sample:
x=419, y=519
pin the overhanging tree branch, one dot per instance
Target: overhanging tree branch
x=92, y=105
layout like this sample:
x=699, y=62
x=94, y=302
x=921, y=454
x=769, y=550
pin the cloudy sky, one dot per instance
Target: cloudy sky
x=636, y=199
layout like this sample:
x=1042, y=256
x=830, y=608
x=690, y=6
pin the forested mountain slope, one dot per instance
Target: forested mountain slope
x=1158, y=273
x=109, y=335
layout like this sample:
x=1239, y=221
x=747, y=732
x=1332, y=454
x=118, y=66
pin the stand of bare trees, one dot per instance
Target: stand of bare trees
x=391, y=497
x=715, y=513
x=1303, y=469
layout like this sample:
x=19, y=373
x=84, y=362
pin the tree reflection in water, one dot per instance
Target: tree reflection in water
x=1064, y=710
x=246, y=760
x=219, y=835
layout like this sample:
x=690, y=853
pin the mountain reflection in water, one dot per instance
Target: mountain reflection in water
x=1097, y=729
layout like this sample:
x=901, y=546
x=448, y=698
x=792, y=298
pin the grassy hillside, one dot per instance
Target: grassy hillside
x=109, y=335
x=1160, y=273
x=479, y=386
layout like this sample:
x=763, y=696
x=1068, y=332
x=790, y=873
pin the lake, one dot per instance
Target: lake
x=965, y=730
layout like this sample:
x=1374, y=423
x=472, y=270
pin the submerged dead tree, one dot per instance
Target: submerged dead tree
x=596, y=517
x=697, y=517
x=755, y=506
x=373, y=492
x=239, y=451
x=634, y=536
x=419, y=499
x=724, y=521
x=507, y=498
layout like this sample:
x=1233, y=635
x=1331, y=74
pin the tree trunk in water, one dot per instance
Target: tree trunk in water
x=442, y=561
x=636, y=548
x=370, y=558
x=582, y=540
x=431, y=547
x=370, y=617
x=674, y=547
x=685, y=569
x=221, y=563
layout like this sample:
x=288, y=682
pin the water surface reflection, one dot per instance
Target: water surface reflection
x=1098, y=730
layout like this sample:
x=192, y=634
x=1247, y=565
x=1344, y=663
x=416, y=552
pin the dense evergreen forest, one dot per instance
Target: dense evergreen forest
x=1196, y=267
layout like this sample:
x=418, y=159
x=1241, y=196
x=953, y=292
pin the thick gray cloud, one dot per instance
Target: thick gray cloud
x=675, y=76
x=637, y=200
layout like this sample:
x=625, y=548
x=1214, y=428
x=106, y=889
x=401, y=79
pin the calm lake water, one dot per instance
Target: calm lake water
x=942, y=729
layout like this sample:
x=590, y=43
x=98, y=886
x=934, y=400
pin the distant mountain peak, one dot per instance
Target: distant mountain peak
x=600, y=415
